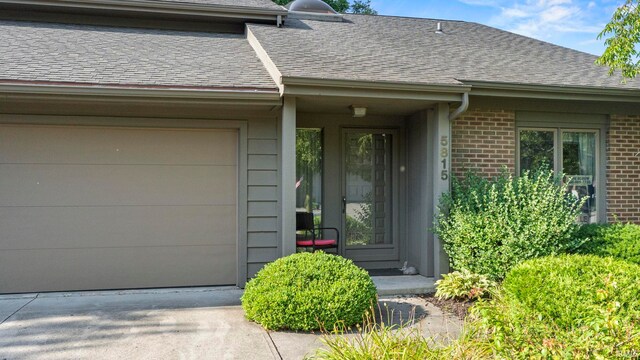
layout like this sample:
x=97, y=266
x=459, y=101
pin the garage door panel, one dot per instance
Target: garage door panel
x=91, y=145
x=116, y=185
x=115, y=268
x=85, y=208
x=127, y=226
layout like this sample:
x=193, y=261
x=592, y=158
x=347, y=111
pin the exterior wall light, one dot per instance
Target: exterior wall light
x=358, y=111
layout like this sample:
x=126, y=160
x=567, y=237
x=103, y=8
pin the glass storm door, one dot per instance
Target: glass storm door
x=369, y=196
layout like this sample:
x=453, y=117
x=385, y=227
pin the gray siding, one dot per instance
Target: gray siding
x=262, y=200
x=420, y=241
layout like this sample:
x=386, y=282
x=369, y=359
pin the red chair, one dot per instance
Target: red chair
x=309, y=236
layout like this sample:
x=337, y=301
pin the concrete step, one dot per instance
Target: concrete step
x=404, y=285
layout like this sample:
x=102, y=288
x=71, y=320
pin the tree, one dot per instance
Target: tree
x=343, y=6
x=622, y=51
x=363, y=7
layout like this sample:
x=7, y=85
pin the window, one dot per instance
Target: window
x=309, y=171
x=571, y=152
x=537, y=149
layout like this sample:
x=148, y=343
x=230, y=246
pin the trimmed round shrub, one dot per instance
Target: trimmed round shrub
x=575, y=290
x=489, y=226
x=308, y=291
x=621, y=241
x=565, y=307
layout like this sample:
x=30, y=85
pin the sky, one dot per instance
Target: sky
x=570, y=23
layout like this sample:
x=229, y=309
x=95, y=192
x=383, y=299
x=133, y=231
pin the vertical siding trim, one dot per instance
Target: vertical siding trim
x=243, y=189
x=287, y=165
x=441, y=184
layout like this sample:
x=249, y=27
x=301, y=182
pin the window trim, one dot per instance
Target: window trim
x=578, y=121
x=558, y=159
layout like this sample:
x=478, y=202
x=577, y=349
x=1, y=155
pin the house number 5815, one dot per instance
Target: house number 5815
x=444, y=154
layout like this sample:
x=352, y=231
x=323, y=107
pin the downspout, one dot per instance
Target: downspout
x=462, y=108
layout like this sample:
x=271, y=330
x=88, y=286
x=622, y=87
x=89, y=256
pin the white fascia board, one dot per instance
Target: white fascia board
x=271, y=67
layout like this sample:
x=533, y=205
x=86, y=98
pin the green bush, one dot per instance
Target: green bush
x=308, y=291
x=463, y=285
x=621, y=241
x=489, y=226
x=571, y=306
x=565, y=307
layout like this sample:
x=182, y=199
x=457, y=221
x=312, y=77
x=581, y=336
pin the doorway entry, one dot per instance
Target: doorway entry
x=369, y=179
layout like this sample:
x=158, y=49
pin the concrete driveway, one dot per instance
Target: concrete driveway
x=200, y=323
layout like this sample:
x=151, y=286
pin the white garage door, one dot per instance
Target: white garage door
x=110, y=208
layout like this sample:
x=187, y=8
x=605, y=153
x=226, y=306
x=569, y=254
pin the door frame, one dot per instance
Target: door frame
x=363, y=254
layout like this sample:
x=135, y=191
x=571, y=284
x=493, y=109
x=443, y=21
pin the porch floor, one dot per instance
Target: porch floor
x=404, y=285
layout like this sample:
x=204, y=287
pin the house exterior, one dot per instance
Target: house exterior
x=153, y=143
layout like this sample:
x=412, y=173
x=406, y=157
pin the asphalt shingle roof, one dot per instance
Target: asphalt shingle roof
x=31, y=51
x=396, y=49
x=264, y=4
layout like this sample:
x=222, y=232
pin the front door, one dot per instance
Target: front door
x=370, y=192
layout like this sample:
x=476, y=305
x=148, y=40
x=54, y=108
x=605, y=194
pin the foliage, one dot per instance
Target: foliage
x=359, y=228
x=357, y=232
x=359, y=159
x=621, y=241
x=463, y=285
x=307, y=291
x=624, y=30
x=343, y=6
x=308, y=163
x=363, y=7
x=571, y=306
x=377, y=340
x=565, y=307
x=487, y=227
x=536, y=149
x=387, y=341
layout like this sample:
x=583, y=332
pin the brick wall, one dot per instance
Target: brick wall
x=623, y=169
x=483, y=141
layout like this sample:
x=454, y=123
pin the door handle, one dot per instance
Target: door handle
x=344, y=204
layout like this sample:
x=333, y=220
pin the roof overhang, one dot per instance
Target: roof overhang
x=356, y=89
x=165, y=8
x=124, y=93
x=514, y=90
x=379, y=97
x=372, y=89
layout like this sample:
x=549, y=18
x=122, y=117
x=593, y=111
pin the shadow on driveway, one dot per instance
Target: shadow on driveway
x=151, y=325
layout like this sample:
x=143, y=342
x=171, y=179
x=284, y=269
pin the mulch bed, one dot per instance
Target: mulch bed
x=459, y=308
